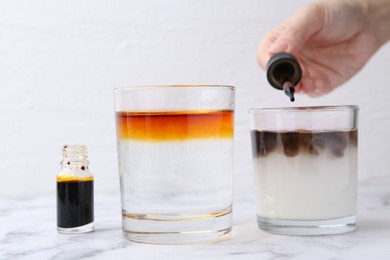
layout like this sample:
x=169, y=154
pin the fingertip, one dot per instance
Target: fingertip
x=265, y=54
x=320, y=88
x=262, y=54
x=298, y=88
x=306, y=85
x=262, y=59
x=314, y=88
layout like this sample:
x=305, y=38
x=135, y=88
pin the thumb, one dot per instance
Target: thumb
x=305, y=23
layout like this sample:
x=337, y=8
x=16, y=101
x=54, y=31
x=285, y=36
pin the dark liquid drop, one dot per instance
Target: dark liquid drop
x=289, y=90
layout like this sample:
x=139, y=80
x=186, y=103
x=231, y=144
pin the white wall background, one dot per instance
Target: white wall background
x=60, y=60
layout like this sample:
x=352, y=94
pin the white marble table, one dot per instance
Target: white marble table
x=28, y=231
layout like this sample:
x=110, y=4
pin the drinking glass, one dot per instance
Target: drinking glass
x=305, y=169
x=175, y=152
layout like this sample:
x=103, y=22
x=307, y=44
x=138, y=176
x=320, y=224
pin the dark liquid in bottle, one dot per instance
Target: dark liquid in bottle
x=74, y=203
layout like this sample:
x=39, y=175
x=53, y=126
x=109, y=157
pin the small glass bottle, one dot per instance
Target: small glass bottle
x=74, y=192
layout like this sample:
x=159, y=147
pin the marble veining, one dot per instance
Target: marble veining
x=28, y=231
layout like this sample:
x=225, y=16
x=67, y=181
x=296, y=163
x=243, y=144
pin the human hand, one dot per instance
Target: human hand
x=332, y=40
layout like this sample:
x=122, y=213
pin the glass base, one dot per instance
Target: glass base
x=77, y=230
x=307, y=227
x=178, y=229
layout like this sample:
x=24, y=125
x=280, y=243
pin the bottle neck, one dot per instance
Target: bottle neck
x=74, y=157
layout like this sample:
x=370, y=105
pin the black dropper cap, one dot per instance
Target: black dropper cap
x=284, y=73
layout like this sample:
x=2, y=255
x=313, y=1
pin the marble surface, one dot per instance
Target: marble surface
x=28, y=231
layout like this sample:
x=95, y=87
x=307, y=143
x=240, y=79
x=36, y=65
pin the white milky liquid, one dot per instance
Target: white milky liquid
x=306, y=187
x=176, y=176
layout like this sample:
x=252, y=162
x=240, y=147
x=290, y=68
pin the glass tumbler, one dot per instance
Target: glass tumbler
x=175, y=152
x=305, y=169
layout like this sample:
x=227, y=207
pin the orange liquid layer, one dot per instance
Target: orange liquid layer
x=174, y=126
x=72, y=178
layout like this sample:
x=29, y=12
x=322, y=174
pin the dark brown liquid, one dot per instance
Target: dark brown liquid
x=298, y=142
x=74, y=203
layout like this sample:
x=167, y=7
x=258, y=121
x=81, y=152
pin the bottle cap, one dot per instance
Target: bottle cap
x=281, y=68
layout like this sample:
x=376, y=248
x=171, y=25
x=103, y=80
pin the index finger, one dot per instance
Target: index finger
x=263, y=55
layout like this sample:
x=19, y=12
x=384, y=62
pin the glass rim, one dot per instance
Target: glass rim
x=176, y=86
x=306, y=109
